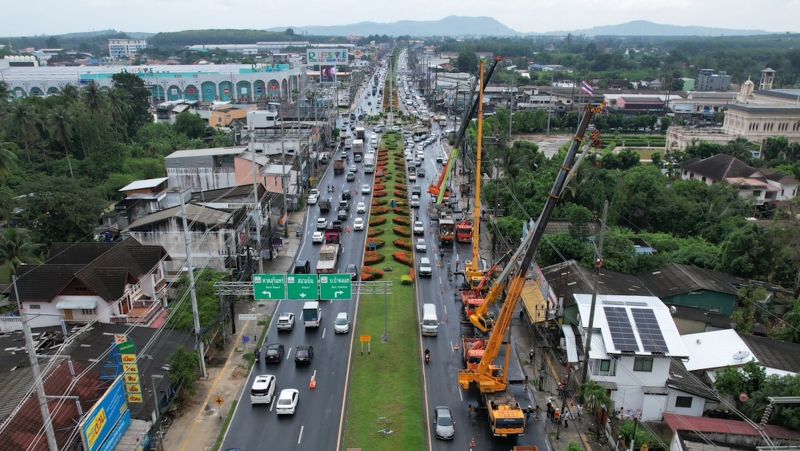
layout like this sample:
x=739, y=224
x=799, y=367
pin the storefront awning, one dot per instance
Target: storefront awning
x=72, y=304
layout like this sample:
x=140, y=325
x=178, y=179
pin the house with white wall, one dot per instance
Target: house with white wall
x=121, y=282
x=634, y=342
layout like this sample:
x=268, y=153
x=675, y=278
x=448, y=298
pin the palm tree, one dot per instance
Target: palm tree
x=4, y=91
x=8, y=157
x=71, y=92
x=16, y=248
x=25, y=123
x=60, y=124
x=93, y=97
x=120, y=109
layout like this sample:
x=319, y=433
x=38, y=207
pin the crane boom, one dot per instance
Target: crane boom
x=486, y=375
x=472, y=268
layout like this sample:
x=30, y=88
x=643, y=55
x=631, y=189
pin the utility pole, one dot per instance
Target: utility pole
x=257, y=211
x=41, y=396
x=597, y=266
x=187, y=239
x=562, y=418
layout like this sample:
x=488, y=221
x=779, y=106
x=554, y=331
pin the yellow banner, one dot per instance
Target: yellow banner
x=131, y=378
x=134, y=398
x=130, y=368
x=133, y=388
x=128, y=358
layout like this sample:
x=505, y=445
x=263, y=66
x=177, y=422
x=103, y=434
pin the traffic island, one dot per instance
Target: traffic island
x=385, y=383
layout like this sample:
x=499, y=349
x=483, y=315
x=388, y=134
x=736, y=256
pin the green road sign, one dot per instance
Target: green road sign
x=269, y=287
x=336, y=287
x=301, y=287
x=126, y=348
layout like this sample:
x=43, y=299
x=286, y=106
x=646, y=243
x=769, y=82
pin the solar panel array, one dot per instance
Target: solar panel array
x=649, y=330
x=621, y=330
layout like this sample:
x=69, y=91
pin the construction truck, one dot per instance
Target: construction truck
x=506, y=417
x=338, y=167
x=324, y=205
x=464, y=231
x=328, y=258
x=472, y=351
x=446, y=227
x=333, y=234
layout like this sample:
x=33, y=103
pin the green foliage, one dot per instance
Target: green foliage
x=16, y=249
x=579, y=218
x=745, y=315
x=734, y=381
x=207, y=301
x=183, y=370
x=643, y=436
x=568, y=248
x=190, y=124
x=574, y=447
x=790, y=324
x=136, y=97
x=747, y=252
x=594, y=396
x=467, y=61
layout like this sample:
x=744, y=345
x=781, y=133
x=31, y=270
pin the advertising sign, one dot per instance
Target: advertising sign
x=107, y=420
x=326, y=56
x=327, y=74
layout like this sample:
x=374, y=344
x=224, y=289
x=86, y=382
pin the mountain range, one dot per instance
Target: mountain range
x=488, y=26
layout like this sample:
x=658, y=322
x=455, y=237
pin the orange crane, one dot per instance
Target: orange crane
x=505, y=416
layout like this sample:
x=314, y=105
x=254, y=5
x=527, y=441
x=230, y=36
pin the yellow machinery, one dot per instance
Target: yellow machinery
x=472, y=270
x=506, y=418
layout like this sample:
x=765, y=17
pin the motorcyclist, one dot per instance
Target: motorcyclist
x=427, y=355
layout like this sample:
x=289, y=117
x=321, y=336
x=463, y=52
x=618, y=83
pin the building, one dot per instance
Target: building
x=701, y=105
x=122, y=283
x=125, y=48
x=700, y=433
x=777, y=357
x=240, y=83
x=710, y=80
x=763, y=186
x=228, y=115
x=631, y=351
x=638, y=103
x=690, y=286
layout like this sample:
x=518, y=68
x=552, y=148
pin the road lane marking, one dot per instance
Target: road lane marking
x=289, y=353
x=324, y=329
x=272, y=404
x=300, y=439
x=445, y=308
x=461, y=394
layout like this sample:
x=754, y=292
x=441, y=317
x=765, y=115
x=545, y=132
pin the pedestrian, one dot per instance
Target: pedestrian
x=469, y=410
x=557, y=416
x=537, y=411
x=526, y=383
x=531, y=354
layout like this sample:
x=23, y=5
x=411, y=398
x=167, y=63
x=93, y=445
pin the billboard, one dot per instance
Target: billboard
x=107, y=420
x=326, y=56
x=327, y=74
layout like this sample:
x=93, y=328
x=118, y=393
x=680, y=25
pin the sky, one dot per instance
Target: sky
x=65, y=16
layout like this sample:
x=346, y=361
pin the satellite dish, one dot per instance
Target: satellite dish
x=741, y=355
x=673, y=310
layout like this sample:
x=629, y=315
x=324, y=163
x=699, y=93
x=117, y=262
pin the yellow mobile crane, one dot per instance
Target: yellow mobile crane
x=506, y=418
x=472, y=271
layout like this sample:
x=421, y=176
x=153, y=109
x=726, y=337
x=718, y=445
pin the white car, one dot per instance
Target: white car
x=263, y=389
x=361, y=207
x=412, y=176
x=420, y=155
x=318, y=237
x=421, y=246
x=409, y=156
x=419, y=228
x=341, y=325
x=312, y=199
x=286, y=321
x=287, y=401
x=358, y=223
x=365, y=189
x=425, y=268
x=322, y=223
x=414, y=200
x=313, y=191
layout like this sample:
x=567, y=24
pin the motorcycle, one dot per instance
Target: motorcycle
x=427, y=357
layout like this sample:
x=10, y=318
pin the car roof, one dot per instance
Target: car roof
x=274, y=345
x=341, y=315
x=263, y=379
x=425, y=260
x=285, y=315
x=443, y=409
x=286, y=392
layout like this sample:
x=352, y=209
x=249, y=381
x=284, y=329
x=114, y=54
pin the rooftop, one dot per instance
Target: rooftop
x=681, y=379
x=206, y=152
x=673, y=279
x=194, y=214
x=719, y=167
x=722, y=426
x=774, y=354
x=640, y=325
x=570, y=277
x=716, y=349
x=143, y=184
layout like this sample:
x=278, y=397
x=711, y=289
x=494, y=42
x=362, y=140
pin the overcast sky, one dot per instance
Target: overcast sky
x=64, y=16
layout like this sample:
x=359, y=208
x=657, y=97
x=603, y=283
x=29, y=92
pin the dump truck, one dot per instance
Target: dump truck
x=328, y=258
x=324, y=205
x=333, y=234
x=338, y=167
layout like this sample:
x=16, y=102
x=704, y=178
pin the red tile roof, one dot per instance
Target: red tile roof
x=722, y=426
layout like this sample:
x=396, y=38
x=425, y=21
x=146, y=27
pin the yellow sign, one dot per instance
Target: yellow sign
x=133, y=388
x=96, y=427
x=131, y=378
x=219, y=400
x=365, y=338
x=128, y=358
x=135, y=398
x=130, y=368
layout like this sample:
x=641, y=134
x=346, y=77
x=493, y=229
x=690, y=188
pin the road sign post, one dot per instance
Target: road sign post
x=302, y=287
x=336, y=287
x=269, y=287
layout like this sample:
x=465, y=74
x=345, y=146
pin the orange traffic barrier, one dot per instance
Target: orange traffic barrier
x=313, y=384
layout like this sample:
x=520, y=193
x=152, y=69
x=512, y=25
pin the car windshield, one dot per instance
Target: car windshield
x=272, y=352
x=444, y=419
x=341, y=321
x=285, y=401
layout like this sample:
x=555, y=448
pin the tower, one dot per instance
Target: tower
x=767, y=77
x=746, y=91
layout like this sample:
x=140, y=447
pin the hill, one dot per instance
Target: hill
x=647, y=28
x=448, y=26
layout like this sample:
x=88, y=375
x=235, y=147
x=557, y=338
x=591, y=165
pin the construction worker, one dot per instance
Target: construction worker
x=531, y=354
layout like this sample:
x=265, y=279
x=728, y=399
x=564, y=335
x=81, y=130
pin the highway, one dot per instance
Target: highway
x=315, y=425
x=441, y=374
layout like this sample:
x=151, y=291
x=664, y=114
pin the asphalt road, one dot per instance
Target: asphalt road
x=441, y=374
x=315, y=425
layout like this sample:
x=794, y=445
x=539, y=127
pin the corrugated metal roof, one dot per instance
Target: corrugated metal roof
x=194, y=213
x=722, y=426
x=142, y=184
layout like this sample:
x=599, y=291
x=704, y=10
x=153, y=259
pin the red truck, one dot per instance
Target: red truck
x=333, y=234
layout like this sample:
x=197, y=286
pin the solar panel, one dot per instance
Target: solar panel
x=620, y=328
x=649, y=330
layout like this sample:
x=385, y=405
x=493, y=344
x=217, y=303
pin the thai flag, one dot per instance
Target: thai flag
x=587, y=88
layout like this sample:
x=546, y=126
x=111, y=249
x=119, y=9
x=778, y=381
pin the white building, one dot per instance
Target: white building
x=125, y=48
x=633, y=345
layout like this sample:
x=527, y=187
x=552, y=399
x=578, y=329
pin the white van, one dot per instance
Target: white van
x=263, y=389
x=430, y=323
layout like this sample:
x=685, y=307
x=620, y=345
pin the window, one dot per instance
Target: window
x=605, y=365
x=683, y=401
x=34, y=306
x=643, y=364
x=87, y=311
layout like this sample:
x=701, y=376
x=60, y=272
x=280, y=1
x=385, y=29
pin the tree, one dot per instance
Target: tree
x=790, y=324
x=579, y=218
x=595, y=396
x=139, y=100
x=467, y=61
x=183, y=367
x=25, y=124
x=52, y=42
x=16, y=248
x=734, y=381
x=190, y=124
x=60, y=124
x=745, y=315
x=643, y=436
x=8, y=157
x=747, y=252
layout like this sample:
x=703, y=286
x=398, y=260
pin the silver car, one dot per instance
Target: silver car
x=444, y=426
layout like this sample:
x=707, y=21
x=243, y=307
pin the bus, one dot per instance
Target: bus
x=312, y=314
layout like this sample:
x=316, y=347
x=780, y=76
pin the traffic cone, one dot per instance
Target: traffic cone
x=313, y=384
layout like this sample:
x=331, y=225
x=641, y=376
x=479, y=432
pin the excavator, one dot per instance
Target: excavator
x=506, y=417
